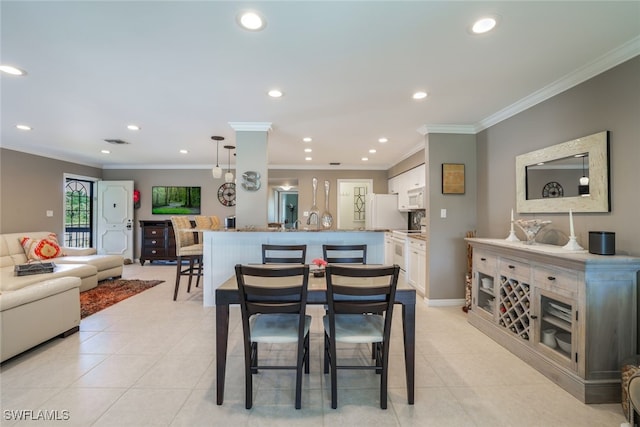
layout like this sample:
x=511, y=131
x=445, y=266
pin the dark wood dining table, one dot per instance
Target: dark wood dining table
x=227, y=294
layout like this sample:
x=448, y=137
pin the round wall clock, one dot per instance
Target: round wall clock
x=227, y=194
x=552, y=189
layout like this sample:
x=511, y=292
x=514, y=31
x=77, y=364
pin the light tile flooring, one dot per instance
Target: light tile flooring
x=150, y=361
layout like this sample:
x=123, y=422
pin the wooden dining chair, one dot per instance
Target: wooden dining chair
x=345, y=254
x=186, y=249
x=273, y=302
x=360, y=307
x=275, y=254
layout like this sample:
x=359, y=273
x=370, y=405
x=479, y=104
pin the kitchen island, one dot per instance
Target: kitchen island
x=224, y=249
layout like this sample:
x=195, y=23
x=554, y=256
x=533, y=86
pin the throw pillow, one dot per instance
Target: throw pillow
x=42, y=249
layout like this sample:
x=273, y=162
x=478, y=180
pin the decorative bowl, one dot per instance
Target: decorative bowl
x=531, y=227
x=564, y=341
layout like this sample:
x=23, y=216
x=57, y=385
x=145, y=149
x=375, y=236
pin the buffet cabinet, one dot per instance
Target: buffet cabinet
x=572, y=316
x=158, y=241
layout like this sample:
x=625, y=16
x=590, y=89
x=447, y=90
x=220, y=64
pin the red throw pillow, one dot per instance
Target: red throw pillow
x=43, y=249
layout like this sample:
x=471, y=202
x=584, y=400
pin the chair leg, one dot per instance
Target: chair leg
x=384, y=376
x=191, y=266
x=326, y=353
x=301, y=356
x=334, y=374
x=178, y=268
x=306, y=354
x=199, y=272
x=248, y=376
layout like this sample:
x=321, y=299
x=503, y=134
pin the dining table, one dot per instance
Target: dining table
x=227, y=294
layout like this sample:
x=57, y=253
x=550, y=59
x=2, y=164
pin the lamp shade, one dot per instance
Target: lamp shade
x=228, y=177
x=584, y=180
x=216, y=172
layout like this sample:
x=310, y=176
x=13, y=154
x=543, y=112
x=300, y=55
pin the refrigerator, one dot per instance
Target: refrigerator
x=381, y=213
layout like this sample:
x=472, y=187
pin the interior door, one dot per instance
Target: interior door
x=115, y=218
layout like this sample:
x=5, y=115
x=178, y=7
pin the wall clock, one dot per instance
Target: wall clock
x=227, y=194
x=552, y=189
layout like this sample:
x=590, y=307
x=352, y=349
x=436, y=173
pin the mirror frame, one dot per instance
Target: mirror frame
x=598, y=200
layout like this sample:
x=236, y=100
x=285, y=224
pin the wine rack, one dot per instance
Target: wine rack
x=514, y=314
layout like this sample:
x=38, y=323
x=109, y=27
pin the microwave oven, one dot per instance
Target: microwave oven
x=416, y=198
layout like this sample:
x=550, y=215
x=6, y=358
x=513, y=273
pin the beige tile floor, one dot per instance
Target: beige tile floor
x=150, y=361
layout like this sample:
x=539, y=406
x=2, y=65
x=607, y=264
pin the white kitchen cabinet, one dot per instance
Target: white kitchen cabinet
x=533, y=294
x=393, y=185
x=409, y=180
x=388, y=249
x=417, y=264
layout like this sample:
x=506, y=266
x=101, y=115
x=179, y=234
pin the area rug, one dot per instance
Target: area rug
x=109, y=292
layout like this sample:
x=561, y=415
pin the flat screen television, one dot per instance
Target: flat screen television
x=172, y=200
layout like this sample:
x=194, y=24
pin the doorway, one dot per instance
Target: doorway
x=351, y=203
x=283, y=201
x=79, y=208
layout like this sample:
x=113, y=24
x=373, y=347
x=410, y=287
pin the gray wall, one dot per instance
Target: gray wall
x=609, y=101
x=31, y=185
x=446, y=249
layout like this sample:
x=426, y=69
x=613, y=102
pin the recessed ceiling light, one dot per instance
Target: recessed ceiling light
x=373, y=150
x=484, y=25
x=275, y=93
x=183, y=151
x=308, y=158
x=133, y=127
x=251, y=20
x=364, y=159
x=14, y=71
x=105, y=151
x=308, y=150
x=23, y=127
x=307, y=139
x=420, y=95
x=383, y=140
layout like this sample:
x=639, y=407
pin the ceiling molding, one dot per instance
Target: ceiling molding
x=607, y=61
x=251, y=126
x=461, y=129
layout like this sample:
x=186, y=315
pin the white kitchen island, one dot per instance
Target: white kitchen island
x=224, y=249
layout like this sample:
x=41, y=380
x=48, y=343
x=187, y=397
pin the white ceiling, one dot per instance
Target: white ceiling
x=184, y=70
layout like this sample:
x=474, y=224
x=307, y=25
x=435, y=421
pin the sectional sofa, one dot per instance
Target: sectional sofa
x=36, y=308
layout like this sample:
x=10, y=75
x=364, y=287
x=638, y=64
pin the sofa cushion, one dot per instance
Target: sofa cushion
x=101, y=262
x=41, y=249
x=10, y=282
x=45, y=289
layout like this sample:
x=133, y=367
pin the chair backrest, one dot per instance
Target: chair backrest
x=361, y=290
x=270, y=290
x=203, y=222
x=297, y=254
x=215, y=222
x=345, y=254
x=183, y=238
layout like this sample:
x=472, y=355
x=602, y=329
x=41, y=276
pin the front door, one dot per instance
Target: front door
x=115, y=218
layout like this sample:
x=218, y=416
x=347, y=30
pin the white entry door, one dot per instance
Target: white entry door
x=115, y=218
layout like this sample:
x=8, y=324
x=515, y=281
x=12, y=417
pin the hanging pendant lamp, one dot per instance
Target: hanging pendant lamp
x=583, y=188
x=228, y=177
x=217, y=171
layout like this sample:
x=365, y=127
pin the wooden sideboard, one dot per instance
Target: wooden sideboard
x=158, y=241
x=523, y=296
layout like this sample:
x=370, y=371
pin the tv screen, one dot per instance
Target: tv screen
x=175, y=200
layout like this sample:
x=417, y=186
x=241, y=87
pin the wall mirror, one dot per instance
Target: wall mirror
x=283, y=201
x=571, y=175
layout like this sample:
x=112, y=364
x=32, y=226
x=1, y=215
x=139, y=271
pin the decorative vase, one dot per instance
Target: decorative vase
x=531, y=227
x=318, y=273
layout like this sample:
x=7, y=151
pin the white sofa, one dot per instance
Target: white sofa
x=35, y=308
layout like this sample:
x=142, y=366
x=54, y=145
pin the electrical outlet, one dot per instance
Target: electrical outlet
x=443, y=213
x=305, y=213
x=49, y=213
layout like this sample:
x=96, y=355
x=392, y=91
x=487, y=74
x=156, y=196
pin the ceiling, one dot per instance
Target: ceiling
x=183, y=71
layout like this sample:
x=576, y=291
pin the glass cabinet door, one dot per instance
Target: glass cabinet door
x=555, y=327
x=484, y=297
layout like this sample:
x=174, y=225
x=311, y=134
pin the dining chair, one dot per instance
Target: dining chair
x=360, y=307
x=186, y=249
x=345, y=254
x=273, y=254
x=273, y=302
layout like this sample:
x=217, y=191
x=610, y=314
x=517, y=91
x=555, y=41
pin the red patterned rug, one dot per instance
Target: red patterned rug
x=109, y=292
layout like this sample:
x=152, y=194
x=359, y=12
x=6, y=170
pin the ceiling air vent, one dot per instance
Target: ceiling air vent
x=116, y=141
x=334, y=163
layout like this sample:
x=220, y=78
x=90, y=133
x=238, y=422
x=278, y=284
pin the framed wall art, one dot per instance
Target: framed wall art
x=452, y=178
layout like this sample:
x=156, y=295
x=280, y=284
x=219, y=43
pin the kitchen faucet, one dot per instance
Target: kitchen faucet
x=295, y=224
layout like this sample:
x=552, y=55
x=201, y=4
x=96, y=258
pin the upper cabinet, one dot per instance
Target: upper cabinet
x=409, y=180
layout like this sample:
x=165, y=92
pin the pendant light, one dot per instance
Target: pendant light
x=228, y=177
x=217, y=171
x=583, y=188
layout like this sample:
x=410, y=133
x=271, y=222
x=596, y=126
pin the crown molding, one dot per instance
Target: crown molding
x=250, y=126
x=607, y=61
x=462, y=129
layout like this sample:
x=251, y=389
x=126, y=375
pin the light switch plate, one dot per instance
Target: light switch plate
x=49, y=213
x=443, y=213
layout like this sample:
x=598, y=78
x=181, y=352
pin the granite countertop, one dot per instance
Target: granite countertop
x=421, y=236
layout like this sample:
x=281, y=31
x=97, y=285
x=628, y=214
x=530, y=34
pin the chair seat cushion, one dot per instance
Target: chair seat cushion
x=357, y=328
x=196, y=249
x=276, y=328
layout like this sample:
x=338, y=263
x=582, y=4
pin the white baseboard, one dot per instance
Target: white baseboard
x=444, y=302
